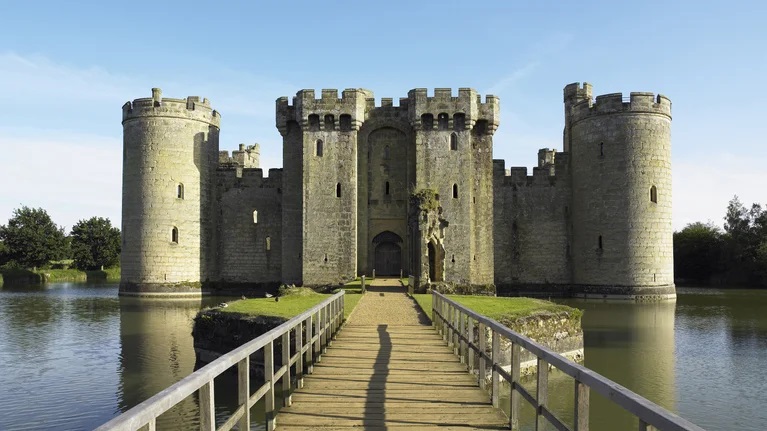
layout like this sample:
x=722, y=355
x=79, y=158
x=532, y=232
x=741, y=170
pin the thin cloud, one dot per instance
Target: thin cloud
x=512, y=78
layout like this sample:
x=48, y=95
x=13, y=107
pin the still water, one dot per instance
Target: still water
x=73, y=355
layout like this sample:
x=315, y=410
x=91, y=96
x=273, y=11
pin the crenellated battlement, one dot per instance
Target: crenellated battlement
x=235, y=176
x=552, y=166
x=191, y=108
x=328, y=113
x=616, y=103
x=467, y=107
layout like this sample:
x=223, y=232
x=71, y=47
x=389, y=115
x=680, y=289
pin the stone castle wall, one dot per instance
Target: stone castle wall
x=621, y=177
x=170, y=151
x=250, y=226
x=594, y=219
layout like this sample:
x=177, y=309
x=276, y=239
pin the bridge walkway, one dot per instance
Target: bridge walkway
x=389, y=370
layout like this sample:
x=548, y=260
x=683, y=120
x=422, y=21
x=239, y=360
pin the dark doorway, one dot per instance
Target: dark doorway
x=436, y=259
x=388, y=259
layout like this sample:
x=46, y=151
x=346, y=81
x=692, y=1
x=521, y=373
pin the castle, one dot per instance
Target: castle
x=408, y=189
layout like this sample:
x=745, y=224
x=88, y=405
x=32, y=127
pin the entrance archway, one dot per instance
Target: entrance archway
x=388, y=253
x=436, y=261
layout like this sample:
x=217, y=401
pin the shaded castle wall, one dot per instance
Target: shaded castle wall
x=620, y=150
x=453, y=151
x=167, y=143
x=249, y=249
x=385, y=156
x=531, y=224
x=328, y=181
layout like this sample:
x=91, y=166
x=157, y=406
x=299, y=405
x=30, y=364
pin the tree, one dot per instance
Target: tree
x=31, y=238
x=698, y=251
x=95, y=243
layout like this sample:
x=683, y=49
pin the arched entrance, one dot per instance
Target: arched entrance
x=388, y=253
x=436, y=261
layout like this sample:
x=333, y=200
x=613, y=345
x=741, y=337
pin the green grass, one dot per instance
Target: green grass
x=504, y=310
x=288, y=306
x=51, y=275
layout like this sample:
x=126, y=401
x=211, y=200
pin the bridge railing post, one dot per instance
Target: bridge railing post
x=364, y=289
x=299, y=345
x=514, y=395
x=287, y=397
x=318, y=336
x=581, y=413
x=482, y=352
x=470, y=336
x=309, y=345
x=542, y=393
x=269, y=412
x=243, y=392
x=496, y=359
x=207, y=408
x=462, y=325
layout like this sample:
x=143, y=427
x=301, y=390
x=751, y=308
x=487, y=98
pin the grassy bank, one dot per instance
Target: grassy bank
x=289, y=305
x=505, y=310
x=26, y=276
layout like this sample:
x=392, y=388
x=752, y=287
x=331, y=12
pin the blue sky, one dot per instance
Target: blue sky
x=66, y=69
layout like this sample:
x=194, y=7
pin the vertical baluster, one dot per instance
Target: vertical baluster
x=269, y=412
x=456, y=331
x=470, y=335
x=514, y=396
x=326, y=328
x=462, y=318
x=434, y=309
x=287, y=398
x=309, y=349
x=482, y=360
x=496, y=359
x=243, y=391
x=150, y=426
x=581, y=413
x=207, y=408
x=644, y=426
x=317, y=334
x=542, y=392
x=299, y=355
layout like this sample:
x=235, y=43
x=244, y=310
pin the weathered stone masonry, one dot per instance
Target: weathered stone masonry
x=594, y=219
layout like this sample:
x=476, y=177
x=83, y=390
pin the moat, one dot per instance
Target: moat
x=73, y=355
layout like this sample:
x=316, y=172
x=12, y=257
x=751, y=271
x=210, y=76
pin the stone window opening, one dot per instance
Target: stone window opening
x=452, y=259
x=453, y=142
x=326, y=257
x=455, y=191
x=174, y=235
x=180, y=191
x=599, y=243
x=442, y=121
x=268, y=243
x=314, y=123
x=387, y=189
x=653, y=194
x=338, y=190
x=330, y=123
x=601, y=149
x=427, y=121
x=255, y=216
x=319, y=148
x=459, y=121
x=345, y=122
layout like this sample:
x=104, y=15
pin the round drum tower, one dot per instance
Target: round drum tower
x=621, y=178
x=170, y=152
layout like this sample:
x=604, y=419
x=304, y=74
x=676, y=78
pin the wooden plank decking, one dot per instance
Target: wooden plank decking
x=389, y=370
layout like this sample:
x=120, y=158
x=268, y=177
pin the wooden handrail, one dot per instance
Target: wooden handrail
x=448, y=318
x=326, y=318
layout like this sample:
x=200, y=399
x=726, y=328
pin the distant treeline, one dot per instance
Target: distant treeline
x=704, y=254
x=32, y=241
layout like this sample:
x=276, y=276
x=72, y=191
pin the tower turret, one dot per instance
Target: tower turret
x=453, y=157
x=621, y=182
x=320, y=184
x=170, y=151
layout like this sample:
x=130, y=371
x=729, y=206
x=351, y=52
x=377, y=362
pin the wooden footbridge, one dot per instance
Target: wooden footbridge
x=389, y=368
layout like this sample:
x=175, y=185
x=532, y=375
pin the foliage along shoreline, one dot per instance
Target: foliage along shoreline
x=705, y=255
x=15, y=276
